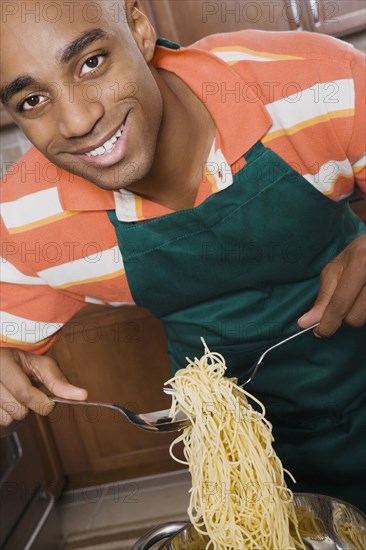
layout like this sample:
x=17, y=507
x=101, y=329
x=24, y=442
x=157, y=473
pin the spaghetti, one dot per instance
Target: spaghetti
x=344, y=526
x=239, y=497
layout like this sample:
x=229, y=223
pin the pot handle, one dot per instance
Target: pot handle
x=158, y=533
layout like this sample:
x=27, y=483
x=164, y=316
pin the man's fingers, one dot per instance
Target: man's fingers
x=10, y=405
x=341, y=303
x=20, y=387
x=356, y=317
x=48, y=372
x=5, y=418
x=328, y=284
x=18, y=395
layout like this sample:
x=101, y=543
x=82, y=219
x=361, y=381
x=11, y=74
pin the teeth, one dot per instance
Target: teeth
x=107, y=146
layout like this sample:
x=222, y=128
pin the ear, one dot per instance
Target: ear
x=141, y=29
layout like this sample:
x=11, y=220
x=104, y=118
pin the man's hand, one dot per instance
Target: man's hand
x=17, y=393
x=342, y=293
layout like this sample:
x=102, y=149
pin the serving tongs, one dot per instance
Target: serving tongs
x=243, y=380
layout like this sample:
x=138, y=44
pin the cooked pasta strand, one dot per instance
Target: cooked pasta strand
x=239, y=497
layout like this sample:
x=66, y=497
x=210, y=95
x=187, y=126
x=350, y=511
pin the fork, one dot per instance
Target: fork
x=158, y=421
x=243, y=380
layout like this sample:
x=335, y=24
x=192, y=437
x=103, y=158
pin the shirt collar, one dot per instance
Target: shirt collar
x=240, y=117
x=78, y=194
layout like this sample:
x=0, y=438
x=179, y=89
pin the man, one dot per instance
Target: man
x=211, y=182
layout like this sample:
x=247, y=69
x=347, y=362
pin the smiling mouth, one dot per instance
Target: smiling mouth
x=107, y=146
x=112, y=151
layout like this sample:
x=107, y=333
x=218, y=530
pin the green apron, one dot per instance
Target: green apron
x=239, y=270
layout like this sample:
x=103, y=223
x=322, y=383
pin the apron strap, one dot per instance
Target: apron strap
x=167, y=43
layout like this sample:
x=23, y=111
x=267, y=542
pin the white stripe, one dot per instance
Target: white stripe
x=223, y=168
x=10, y=274
x=324, y=179
x=98, y=264
x=306, y=104
x=26, y=330
x=345, y=196
x=119, y=304
x=234, y=57
x=31, y=208
x=92, y=300
x=360, y=163
x=125, y=206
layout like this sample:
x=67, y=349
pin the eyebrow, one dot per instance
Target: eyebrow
x=79, y=43
x=64, y=56
x=15, y=86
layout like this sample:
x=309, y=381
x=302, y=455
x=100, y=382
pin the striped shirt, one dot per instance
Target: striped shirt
x=301, y=94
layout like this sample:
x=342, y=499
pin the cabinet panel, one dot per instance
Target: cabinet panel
x=185, y=21
x=119, y=356
x=338, y=18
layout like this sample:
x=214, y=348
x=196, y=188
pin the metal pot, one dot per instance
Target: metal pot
x=325, y=523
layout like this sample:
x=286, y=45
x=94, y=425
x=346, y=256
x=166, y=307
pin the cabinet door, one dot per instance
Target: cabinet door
x=338, y=18
x=185, y=21
x=119, y=356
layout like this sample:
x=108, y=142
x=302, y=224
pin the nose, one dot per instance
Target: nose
x=77, y=115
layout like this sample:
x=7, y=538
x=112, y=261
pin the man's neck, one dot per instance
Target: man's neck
x=185, y=139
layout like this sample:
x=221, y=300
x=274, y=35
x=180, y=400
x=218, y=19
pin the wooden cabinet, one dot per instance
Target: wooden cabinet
x=338, y=18
x=119, y=356
x=185, y=21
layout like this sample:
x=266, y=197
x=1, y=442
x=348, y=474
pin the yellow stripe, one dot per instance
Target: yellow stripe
x=357, y=169
x=311, y=122
x=334, y=182
x=269, y=55
x=44, y=221
x=211, y=180
x=138, y=206
x=8, y=340
x=114, y=275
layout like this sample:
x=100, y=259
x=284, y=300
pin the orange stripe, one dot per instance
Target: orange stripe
x=44, y=221
x=114, y=275
x=334, y=182
x=311, y=122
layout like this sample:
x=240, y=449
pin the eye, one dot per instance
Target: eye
x=92, y=63
x=31, y=102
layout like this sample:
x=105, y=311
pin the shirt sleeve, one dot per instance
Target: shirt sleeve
x=357, y=145
x=32, y=313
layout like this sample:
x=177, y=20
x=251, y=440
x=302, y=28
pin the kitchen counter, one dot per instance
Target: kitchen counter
x=114, y=516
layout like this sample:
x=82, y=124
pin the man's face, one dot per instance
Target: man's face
x=77, y=81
